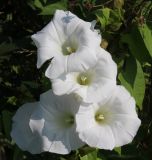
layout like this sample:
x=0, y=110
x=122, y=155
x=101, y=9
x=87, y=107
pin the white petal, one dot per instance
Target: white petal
x=104, y=80
x=88, y=44
x=120, y=122
x=64, y=141
x=99, y=136
x=121, y=102
x=85, y=118
x=46, y=36
x=57, y=66
x=21, y=131
x=66, y=28
x=48, y=130
x=23, y=113
x=65, y=84
x=121, y=116
x=83, y=59
x=100, y=90
x=67, y=103
x=48, y=43
x=74, y=139
x=90, y=132
x=124, y=128
x=47, y=53
x=60, y=144
x=50, y=112
x=65, y=23
x=106, y=66
x=87, y=37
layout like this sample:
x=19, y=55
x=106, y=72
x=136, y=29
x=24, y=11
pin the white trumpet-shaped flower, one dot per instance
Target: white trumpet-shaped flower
x=92, y=85
x=70, y=41
x=22, y=134
x=50, y=127
x=111, y=124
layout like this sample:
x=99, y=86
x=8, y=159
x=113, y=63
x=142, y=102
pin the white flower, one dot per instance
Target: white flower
x=92, y=85
x=22, y=134
x=50, y=127
x=70, y=41
x=109, y=125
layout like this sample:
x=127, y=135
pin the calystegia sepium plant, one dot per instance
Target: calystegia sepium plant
x=85, y=105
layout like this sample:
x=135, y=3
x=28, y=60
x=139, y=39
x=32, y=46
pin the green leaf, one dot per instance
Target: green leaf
x=7, y=121
x=17, y=154
x=12, y=100
x=90, y=156
x=61, y=158
x=86, y=150
x=111, y=18
x=7, y=47
x=30, y=84
x=118, y=150
x=38, y=4
x=146, y=34
x=136, y=45
x=132, y=77
x=103, y=16
x=51, y=8
x=146, y=9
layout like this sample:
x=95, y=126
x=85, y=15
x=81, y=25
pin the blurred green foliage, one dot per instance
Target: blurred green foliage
x=126, y=27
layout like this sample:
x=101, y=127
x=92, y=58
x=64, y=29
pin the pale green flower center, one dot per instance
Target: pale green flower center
x=69, y=50
x=99, y=117
x=69, y=120
x=84, y=79
x=66, y=120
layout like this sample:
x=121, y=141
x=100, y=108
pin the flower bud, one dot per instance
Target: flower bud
x=104, y=44
x=118, y=3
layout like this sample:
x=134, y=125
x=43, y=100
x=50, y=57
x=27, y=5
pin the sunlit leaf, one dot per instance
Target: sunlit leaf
x=38, y=4
x=146, y=34
x=12, y=100
x=132, y=77
x=111, y=18
x=136, y=45
x=103, y=16
x=51, y=8
x=91, y=156
x=118, y=150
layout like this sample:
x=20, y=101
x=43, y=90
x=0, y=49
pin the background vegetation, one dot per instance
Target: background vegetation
x=126, y=27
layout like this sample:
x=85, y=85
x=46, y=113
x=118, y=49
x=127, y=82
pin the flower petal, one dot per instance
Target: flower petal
x=66, y=28
x=100, y=90
x=63, y=103
x=127, y=126
x=48, y=121
x=88, y=42
x=119, y=123
x=82, y=60
x=48, y=43
x=46, y=36
x=90, y=132
x=106, y=66
x=57, y=67
x=21, y=131
x=74, y=140
x=121, y=102
x=104, y=80
x=65, y=23
x=47, y=53
x=54, y=135
x=65, y=84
